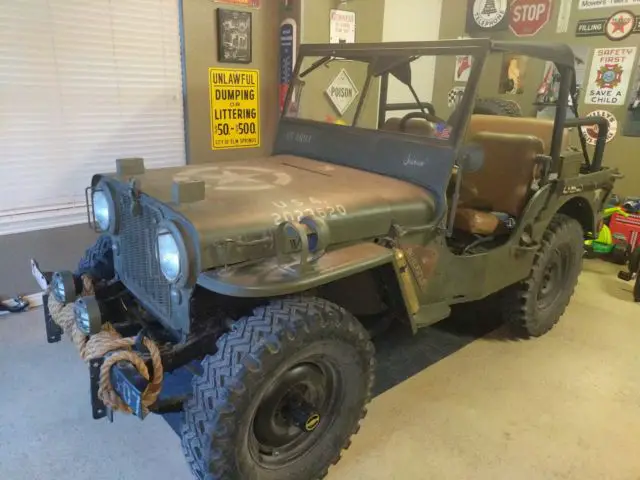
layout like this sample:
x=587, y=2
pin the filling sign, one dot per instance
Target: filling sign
x=342, y=92
x=235, y=108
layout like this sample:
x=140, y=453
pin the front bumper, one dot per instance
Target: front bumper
x=125, y=379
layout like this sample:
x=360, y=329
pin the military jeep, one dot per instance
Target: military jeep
x=272, y=273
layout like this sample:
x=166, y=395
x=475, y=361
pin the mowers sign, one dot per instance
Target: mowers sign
x=529, y=16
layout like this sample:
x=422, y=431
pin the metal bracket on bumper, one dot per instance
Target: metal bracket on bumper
x=99, y=409
x=54, y=332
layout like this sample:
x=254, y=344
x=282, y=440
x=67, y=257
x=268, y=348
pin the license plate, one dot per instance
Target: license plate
x=127, y=383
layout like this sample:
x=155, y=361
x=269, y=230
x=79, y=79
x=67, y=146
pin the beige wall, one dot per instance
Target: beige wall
x=620, y=151
x=315, y=29
x=200, y=47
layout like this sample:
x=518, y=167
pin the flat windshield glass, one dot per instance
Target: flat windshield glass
x=348, y=92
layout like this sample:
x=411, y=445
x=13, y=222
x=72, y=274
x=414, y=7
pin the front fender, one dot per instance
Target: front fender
x=267, y=278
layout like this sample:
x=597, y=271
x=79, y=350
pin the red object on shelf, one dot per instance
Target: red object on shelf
x=627, y=226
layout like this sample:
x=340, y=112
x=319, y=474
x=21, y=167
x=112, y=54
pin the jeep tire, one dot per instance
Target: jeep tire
x=497, y=106
x=282, y=396
x=532, y=307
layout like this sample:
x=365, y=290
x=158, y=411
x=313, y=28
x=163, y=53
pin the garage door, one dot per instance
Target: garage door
x=83, y=82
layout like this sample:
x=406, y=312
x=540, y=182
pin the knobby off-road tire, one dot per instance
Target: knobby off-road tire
x=533, y=306
x=220, y=436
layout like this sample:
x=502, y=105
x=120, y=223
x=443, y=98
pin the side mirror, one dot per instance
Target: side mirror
x=471, y=157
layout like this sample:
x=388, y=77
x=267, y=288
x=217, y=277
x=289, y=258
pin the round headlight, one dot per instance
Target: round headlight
x=168, y=254
x=102, y=210
x=63, y=287
x=88, y=315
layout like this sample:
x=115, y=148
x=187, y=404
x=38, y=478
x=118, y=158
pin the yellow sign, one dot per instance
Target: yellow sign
x=235, y=108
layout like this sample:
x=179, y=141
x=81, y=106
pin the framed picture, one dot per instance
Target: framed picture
x=234, y=36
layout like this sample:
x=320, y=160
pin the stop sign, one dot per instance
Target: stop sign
x=527, y=17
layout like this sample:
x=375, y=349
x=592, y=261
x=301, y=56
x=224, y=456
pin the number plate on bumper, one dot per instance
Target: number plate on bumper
x=126, y=382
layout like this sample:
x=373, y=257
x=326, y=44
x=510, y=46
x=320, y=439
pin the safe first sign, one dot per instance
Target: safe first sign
x=235, y=108
x=527, y=17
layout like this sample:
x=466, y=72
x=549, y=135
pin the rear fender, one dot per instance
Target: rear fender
x=272, y=278
x=581, y=198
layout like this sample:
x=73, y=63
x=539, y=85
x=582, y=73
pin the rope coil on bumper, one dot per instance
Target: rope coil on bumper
x=108, y=340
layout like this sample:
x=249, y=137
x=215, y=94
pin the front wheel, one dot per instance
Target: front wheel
x=282, y=396
x=534, y=306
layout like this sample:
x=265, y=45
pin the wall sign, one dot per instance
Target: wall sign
x=342, y=92
x=611, y=71
x=288, y=38
x=455, y=96
x=632, y=124
x=235, y=108
x=463, y=68
x=564, y=16
x=528, y=17
x=487, y=15
x=549, y=89
x=617, y=27
x=342, y=26
x=513, y=75
x=590, y=4
x=234, y=36
x=591, y=133
x=241, y=3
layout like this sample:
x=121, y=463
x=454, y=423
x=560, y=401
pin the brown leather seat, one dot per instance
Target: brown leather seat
x=413, y=126
x=503, y=183
x=541, y=128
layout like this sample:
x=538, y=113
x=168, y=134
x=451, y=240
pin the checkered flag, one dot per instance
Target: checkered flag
x=454, y=96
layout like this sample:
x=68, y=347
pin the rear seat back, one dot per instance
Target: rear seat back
x=541, y=128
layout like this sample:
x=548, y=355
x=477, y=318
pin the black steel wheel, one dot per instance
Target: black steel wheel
x=533, y=306
x=282, y=396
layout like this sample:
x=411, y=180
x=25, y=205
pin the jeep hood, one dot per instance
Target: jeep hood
x=245, y=200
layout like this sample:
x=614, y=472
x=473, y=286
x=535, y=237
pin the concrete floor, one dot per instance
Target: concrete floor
x=565, y=406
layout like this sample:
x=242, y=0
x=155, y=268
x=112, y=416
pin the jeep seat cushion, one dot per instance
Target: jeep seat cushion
x=502, y=184
x=543, y=129
x=413, y=126
x=476, y=221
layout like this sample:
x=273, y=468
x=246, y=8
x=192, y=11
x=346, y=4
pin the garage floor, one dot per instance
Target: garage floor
x=564, y=406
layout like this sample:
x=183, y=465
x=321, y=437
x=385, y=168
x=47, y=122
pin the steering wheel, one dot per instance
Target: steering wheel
x=429, y=117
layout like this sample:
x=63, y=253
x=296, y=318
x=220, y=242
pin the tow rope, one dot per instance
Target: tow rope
x=109, y=341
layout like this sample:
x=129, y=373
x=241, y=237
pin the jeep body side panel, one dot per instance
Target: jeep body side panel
x=269, y=279
x=445, y=278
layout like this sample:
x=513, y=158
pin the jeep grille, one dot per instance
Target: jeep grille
x=138, y=267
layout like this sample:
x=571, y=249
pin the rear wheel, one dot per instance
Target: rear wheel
x=282, y=396
x=534, y=306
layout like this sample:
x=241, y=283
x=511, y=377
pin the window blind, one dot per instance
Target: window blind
x=83, y=82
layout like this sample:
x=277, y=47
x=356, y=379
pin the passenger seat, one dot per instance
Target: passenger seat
x=504, y=183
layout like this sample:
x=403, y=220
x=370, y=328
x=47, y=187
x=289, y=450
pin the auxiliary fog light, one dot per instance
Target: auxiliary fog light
x=88, y=315
x=64, y=287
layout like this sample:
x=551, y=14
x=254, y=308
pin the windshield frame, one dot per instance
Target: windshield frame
x=375, y=58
